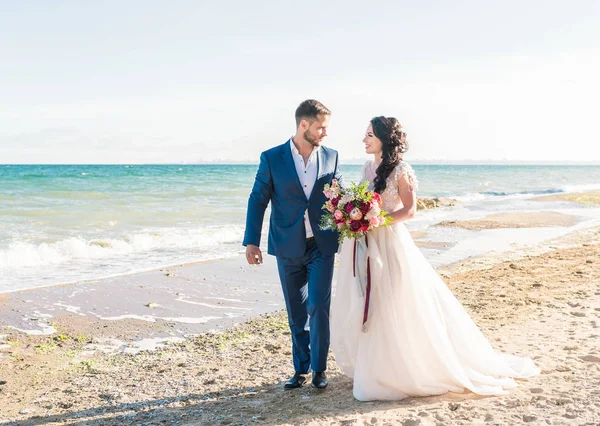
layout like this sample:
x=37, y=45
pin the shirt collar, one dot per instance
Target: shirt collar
x=296, y=152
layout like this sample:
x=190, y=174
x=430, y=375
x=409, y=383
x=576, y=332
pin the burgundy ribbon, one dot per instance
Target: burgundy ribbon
x=368, y=291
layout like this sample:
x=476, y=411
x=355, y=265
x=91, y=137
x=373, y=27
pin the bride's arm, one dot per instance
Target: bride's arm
x=408, y=195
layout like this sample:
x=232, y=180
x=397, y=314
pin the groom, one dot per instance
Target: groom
x=292, y=176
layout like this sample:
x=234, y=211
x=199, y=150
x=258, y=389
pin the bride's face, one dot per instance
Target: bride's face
x=372, y=143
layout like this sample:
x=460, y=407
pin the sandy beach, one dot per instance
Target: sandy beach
x=146, y=348
x=513, y=220
x=587, y=198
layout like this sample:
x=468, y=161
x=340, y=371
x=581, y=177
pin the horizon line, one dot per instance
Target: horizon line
x=353, y=162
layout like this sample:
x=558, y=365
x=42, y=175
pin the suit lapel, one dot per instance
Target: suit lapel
x=319, y=159
x=288, y=161
x=321, y=168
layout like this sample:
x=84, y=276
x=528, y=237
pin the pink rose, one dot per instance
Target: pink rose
x=330, y=207
x=374, y=222
x=338, y=215
x=341, y=225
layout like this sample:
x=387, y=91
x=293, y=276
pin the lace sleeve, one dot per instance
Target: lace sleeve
x=405, y=170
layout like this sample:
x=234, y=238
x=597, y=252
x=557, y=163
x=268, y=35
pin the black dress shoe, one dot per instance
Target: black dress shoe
x=295, y=382
x=319, y=380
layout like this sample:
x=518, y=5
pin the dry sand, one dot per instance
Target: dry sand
x=587, y=198
x=514, y=220
x=546, y=306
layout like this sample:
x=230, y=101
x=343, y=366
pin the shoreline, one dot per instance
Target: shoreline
x=181, y=300
x=183, y=295
x=425, y=204
x=118, y=275
x=186, y=297
x=420, y=236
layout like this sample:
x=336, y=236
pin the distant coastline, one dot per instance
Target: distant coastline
x=349, y=162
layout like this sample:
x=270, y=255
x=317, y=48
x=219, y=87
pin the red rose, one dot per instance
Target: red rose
x=365, y=207
x=377, y=198
x=348, y=207
x=355, y=225
x=335, y=201
x=364, y=226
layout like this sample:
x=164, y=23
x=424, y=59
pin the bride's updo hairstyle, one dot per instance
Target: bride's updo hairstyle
x=389, y=131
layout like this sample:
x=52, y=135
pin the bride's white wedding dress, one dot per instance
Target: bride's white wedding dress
x=418, y=340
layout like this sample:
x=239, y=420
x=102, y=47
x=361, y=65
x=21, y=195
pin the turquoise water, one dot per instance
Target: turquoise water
x=67, y=223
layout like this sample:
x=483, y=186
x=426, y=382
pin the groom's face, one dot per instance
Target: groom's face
x=316, y=132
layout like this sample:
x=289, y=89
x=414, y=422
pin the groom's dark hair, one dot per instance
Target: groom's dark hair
x=309, y=109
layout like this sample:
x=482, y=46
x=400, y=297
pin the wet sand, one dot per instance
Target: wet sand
x=587, y=198
x=435, y=245
x=514, y=220
x=176, y=301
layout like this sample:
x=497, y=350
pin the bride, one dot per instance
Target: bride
x=418, y=339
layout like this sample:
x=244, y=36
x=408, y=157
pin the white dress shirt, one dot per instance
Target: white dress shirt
x=307, y=175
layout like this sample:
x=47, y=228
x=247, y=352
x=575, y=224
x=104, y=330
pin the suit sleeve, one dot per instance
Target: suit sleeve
x=258, y=202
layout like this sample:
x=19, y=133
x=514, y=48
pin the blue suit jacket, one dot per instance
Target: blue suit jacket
x=277, y=181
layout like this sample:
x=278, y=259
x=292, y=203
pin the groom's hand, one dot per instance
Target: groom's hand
x=253, y=254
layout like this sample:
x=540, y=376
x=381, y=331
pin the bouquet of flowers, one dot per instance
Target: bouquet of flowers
x=353, y=211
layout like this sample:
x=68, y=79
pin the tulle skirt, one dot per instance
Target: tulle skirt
x=418, y=340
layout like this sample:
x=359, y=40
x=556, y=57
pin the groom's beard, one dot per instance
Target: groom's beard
x=313, y=140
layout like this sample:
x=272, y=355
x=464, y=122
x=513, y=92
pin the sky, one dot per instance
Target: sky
x=195, y=81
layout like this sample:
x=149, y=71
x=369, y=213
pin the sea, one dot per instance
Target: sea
x=69, y=223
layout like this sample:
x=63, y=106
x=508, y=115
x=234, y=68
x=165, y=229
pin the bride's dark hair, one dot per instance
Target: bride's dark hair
x=393, y=140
